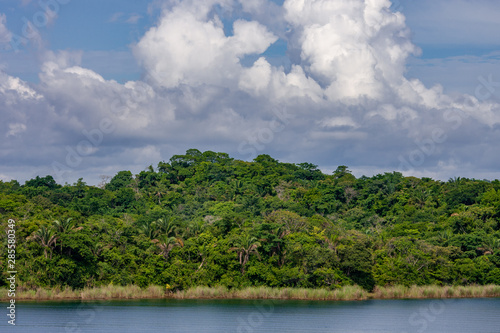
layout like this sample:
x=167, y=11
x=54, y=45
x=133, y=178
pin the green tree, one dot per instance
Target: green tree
x=166, y=244
x=121, y=180
x=63, y=226
x=47, y=239
x=245, y=247
x=150, y=229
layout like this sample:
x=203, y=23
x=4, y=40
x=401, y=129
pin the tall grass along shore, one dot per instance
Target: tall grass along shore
x=416, y=292
x=347, y=293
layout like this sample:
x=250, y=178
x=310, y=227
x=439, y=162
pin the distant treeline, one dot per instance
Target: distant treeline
x=205, y=219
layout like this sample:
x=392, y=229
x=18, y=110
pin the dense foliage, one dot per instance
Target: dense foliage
x=207, y=219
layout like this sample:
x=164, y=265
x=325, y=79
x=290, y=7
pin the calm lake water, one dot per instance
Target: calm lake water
x=387, y=316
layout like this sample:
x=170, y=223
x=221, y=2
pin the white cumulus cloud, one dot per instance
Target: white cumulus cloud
x=189, y=47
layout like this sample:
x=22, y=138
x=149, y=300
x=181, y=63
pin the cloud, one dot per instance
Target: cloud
x=15, y=129
x=116, y=17
x=5, y=34
x=134, y=18
x=190, y=48
x=353, y=48
x=346, y=99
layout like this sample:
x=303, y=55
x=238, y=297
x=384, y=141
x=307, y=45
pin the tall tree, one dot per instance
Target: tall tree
x=245, y=247
x=47, y=238
x=166, y=244
x=63, y=226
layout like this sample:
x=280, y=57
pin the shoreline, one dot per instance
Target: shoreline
x=346, y=293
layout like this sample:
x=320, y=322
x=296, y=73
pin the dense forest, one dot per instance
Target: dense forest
x=205, y=219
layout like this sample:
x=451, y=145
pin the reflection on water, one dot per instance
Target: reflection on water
x=389, y=316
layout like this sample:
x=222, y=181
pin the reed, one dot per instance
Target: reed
x=155, y=291
x=202, y=292
x=351, y=293
x=122, y=292
x=219, y=292
x=97, y=293
x=433, y=291
x=345, y=293
x=4, y=294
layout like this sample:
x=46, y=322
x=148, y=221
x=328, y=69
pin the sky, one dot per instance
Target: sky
x=92, y=87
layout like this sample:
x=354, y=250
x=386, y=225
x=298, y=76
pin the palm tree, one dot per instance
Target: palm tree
x=421, y=197
x=444, y=235
x=97, y=248
x=280, y=232
x=455, y=181
x=194, y=228
x=167, y=226
x=135, y=186
x=332, y=240
x=237, y=188
x=159, y=191
x=490, y=245
x=149, y=228
x=204, y=254
x=166, y=244
x=245, y=247
x=63, y=226
x=47, y=238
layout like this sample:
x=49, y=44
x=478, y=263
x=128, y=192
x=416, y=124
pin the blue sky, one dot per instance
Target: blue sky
x=365, y=82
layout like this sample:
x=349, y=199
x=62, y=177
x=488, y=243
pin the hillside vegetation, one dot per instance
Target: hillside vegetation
x=205, y=219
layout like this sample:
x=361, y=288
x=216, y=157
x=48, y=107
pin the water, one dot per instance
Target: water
x=377, y=316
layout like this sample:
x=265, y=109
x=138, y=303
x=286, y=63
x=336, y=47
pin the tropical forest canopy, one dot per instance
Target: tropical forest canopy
x=207, y=219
